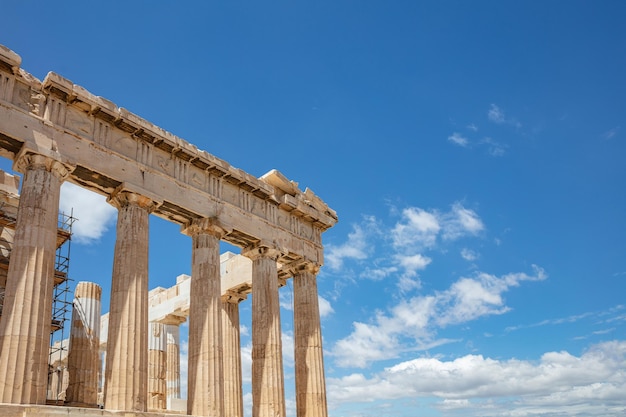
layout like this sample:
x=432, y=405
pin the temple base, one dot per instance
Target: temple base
x=26, y=410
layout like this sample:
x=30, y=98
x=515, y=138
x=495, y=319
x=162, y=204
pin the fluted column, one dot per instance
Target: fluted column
x=157, y=366
x=53, y=384
x=233, y=395
x=205, y=393
x=126, y=375
x=309, y=359
x=172, y=376
x=27, y=310
x=84, y=356
x=268, y=387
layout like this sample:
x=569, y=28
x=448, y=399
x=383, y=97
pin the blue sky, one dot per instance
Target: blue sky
x=474, y=153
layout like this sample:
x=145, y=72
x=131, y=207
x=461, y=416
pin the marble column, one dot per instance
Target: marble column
x=83, y=358
x=27, y=310
x=172, y=376
x=126, y=374
x=157, y=366
x=205, y=394
x=54, y=384
x=233, y=395
x=309, y=360
x=268, y=387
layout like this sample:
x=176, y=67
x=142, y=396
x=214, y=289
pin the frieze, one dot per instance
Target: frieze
x=6, y=87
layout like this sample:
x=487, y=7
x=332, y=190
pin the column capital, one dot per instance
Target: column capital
x=172, y=319
x=303, y=267
x=122, y=197
x=259, y=251
x=27, y=159
x=233, y=297
x=205, y=225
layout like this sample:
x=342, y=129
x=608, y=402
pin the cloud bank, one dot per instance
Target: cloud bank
x=559, y=383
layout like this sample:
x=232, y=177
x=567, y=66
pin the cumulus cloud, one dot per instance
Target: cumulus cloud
x=94, y=215
x=365, y=344
x=482, y=295
x=558, y=381
x=459, y=222
x=417, y=229
x=412, y=263
x=413, y=323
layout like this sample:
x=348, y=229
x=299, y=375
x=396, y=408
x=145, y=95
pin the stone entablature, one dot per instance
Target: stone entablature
x=109, y=149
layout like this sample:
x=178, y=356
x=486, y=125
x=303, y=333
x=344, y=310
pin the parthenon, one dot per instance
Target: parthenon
x=55, y=131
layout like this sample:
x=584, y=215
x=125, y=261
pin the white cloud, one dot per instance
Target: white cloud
x=356, y=247
x=472, y=127
x=246, y=363
x=559, y=382
x=460, y=222
x=325, y=308
x=247, y=403
x=288, y=349
x=417, y=229
x=413, y=323
x=285, y=299
x=493, y=148
x=469, y=255
x=94, y=215
x=495, y=114
x=378, y=274
x=401, y=248
x=412, y=263
x=470, y=298
x=366, y=344
x=458, y=139
x=407, y=283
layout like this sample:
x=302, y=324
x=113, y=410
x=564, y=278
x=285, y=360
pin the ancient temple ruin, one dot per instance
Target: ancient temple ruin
x=56, y=131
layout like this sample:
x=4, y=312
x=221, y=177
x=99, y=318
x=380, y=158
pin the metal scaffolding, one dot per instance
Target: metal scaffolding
x=61, y=309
